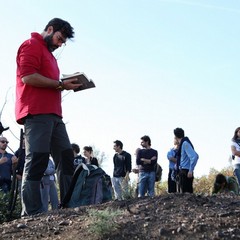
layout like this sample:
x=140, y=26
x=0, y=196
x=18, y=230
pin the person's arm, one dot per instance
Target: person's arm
x=170, y=156
x=152, y=160
x=138, y=159
x=14, y=160
x=193, y=156
x=50, y=168
x=3, y=160
x=37, y=80
x=128, y=163
x=234, y=151
x=94, y=161
x=148, y=161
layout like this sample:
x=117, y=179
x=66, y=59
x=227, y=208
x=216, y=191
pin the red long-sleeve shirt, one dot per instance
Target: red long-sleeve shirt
x=34, y=57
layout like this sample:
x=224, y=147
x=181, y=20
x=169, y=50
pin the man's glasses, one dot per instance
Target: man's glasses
x=4, y=142
x=61, y=40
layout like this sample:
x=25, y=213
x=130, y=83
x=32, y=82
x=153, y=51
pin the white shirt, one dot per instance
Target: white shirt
x=236, y=159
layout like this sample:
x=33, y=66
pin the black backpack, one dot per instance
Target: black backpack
x=89, y=185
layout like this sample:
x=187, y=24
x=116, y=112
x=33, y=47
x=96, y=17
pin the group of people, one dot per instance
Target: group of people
x=48, y=188
x=182, y=161
x=222, y=183
x=38, y=108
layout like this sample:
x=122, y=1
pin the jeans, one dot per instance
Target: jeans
x=237, y=172
x=44, y=134
x=146, y=181
x=120, y=187
x=49, y=192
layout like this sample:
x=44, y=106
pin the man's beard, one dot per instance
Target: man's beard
x=49, y=40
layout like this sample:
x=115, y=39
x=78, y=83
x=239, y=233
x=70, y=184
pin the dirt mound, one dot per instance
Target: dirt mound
x=170, y=216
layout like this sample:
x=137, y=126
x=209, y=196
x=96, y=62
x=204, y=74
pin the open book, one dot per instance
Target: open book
x=82, y=78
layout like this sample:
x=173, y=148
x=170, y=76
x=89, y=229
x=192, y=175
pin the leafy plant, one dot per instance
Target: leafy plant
x=4, y=208
x=103, y=221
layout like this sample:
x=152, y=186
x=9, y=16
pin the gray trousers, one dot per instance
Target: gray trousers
x=49, y=192
x=44, y=134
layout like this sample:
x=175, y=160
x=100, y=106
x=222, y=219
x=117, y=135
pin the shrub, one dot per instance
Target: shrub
x=102, y=222
x=5, y=215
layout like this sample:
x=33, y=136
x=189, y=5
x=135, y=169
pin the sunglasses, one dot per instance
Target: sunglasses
x=4, y=141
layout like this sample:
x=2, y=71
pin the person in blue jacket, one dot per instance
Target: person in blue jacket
x=171, y=156
x=186, y=161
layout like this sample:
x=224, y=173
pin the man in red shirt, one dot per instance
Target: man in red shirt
x=38, y=107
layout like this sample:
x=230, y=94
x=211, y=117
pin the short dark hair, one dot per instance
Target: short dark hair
x=118, y=144
x=88, y=149
x=178, y=132
x=75, y=147
x=62, y=26
x=220, y=179
x=146, y=138
x=218, y=183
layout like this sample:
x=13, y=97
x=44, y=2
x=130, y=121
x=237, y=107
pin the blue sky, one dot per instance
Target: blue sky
x=157, y=65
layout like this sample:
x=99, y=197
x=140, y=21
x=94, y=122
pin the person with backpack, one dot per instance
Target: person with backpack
x=122, y=162
x=147, y=160
x=186, y=161
x=225, y=184
x=235, y=148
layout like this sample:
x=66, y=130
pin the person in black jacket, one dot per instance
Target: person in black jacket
x=122, y=167
x=78, y=158
x=147, y=159
x=89, y=159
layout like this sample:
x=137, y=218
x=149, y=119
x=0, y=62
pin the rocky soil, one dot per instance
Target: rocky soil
x=170, y=216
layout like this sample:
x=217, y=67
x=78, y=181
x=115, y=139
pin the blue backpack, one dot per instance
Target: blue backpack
x=89, y=185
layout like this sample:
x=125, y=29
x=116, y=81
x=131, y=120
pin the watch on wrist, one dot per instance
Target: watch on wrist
x=60, y=86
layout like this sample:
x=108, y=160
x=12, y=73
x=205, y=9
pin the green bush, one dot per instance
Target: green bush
x=5, y=214
x=102, y=222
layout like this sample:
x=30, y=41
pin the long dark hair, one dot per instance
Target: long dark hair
x=235, y=136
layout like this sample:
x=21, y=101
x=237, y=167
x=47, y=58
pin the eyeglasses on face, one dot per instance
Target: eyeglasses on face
x=4, y=142
x=61, y=39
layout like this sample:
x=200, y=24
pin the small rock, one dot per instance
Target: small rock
x=179, y=230
x=162, y=231
x=145, y=225
x=21, y=225
x=56, y=232
x=64, y=223
x=147, y=218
